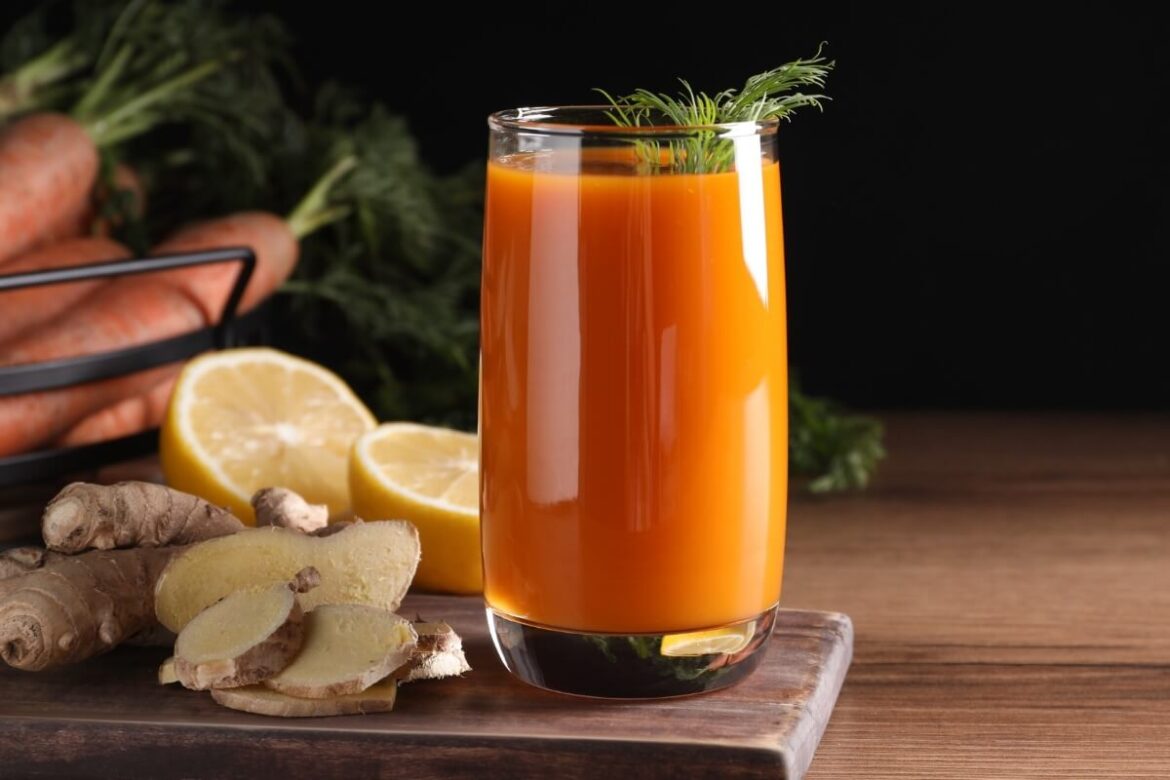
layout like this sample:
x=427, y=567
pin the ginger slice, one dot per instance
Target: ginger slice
x=438, y=654
x=365, y=563
x=347, y=648
x=259, y=700
x=248, y=637
x=166, y=672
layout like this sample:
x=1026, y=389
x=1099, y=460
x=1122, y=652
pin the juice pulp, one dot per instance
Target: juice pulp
x=634, y=396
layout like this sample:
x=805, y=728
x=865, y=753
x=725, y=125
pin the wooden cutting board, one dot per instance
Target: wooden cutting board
x=109, y=718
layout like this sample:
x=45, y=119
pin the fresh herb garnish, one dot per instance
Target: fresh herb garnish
x=773, y=94
x=835, y=450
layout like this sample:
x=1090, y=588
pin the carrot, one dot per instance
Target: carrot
x=269, y=236
x=123, y=313
x=32, y=306
x=135, y=310
x=133, y=415
x=131, y=310
x=48, y=165
x=33, y=419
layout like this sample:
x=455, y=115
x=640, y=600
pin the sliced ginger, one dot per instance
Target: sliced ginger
x=438, y=654
x=166, y=672
x=245, y=638
x=347, y=648
x=366, y=563
x=259, y=700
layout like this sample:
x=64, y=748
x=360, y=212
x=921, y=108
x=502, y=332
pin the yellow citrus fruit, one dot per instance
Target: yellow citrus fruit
x=243, y=419
x=429, y=476
x=718, y=640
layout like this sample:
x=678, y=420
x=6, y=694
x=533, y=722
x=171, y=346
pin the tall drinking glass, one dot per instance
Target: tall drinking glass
x=634, y=401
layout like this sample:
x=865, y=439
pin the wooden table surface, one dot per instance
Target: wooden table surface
x=1009, y=583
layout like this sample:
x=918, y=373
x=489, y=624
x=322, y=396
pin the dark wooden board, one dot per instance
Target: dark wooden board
x=109, y=718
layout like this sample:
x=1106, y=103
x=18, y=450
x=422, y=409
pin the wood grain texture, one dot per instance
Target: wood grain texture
x=1009, y=581
x=109, y=717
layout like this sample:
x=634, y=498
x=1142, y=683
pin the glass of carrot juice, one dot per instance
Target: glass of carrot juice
x=633, y=407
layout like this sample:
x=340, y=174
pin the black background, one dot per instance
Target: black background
x=979, y=219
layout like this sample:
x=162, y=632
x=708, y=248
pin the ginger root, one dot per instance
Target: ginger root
x=365, y=563
x=247, y=637
x=348, y=648
x=259, y=700
x=130, y=514
x=22, y=560
x=77, y=606
x=284, y=508
x=437, y=654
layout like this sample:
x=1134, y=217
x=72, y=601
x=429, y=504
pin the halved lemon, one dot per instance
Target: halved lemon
x=243, y=419
x=718, y=640
x=429, y=476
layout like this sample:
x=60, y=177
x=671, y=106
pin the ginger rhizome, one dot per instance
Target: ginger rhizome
x=130, y=514
x=77, y=606
x=22, y=560
x=284, y=508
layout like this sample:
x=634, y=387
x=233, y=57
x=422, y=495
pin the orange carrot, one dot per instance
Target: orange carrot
x=131, y=310
x=25, y=308
x=135, y=310
x=124, y=313
x=268, y=235
x=48, y=165
x=133, y=415
x=32, y=420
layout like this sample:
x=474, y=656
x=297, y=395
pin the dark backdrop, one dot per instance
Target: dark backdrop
x=979, y=219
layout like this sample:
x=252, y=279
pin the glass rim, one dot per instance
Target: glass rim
x=543, y=120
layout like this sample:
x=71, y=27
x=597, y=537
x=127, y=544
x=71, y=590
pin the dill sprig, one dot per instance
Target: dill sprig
x=772, y=95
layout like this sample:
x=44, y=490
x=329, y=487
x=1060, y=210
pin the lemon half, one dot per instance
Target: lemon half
x=243, y=419
x=429, y=476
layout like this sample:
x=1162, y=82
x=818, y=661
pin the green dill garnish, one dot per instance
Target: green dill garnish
x=774, y=94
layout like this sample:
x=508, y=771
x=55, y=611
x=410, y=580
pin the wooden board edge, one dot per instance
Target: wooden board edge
x=830, y=678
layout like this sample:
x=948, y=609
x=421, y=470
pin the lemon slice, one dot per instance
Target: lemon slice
x=243, y=419
x=429, y=476
x=714, y=642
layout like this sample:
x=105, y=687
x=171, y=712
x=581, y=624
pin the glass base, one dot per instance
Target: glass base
x=631, y=666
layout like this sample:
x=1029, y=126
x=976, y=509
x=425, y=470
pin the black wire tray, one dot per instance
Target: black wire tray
x=231, y=330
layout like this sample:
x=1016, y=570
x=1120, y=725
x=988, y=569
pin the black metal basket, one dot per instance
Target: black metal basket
x=229, y=331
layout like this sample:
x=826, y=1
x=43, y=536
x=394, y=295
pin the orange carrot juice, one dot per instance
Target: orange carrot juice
x=634, y=394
